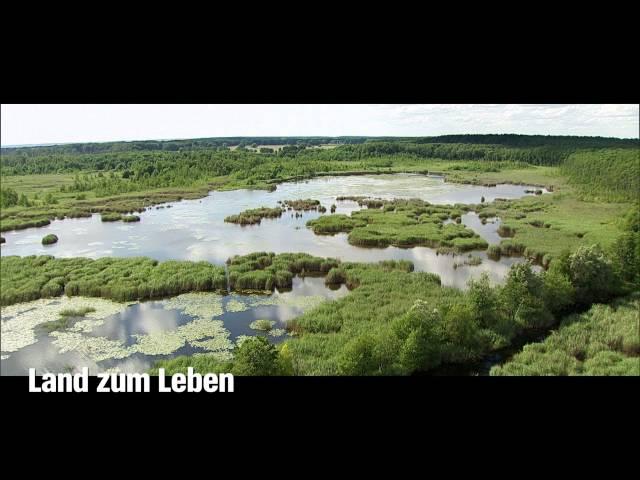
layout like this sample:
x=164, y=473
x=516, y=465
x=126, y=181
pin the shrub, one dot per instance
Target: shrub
x=49, y=239
x=264, y=325
x=592, y=275
x=357, y=357
x=255, y=357
x=336, y=276
x=493, y=252
x=110, y=217
x=505, y=230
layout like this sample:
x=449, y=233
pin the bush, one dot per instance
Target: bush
x=591, y=274
x=110, y=217
x=357, y=357
x=49, y=239
x=494, y=252
x=255, y=357
x=336, y=276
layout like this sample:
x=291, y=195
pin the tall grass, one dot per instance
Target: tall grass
x=120, y=279
x=601, y=341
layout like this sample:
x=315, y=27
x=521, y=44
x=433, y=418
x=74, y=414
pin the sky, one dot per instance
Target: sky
x=41, y=124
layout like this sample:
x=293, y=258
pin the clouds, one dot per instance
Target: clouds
x=544, y=119
x=33, y=124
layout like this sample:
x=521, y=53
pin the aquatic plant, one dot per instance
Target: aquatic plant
x=401, y=223
x=96, y=349
x=254, y=216
x=494, y=252
x=335, y=276
x=267, y=271
x=78, y=312
x=236, y=305
x=19, y=321
x=130, y=218
x=49, y=239
x=200, y=305
x=110, y=217
x=157, y=343
x=471, y=261
x=277, y=332
x=121, y=279
x=505, y=230
x=263, y=325
x=304, y=205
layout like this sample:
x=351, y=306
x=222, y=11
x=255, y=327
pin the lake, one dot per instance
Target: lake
x=195, y=229
x=130, y=337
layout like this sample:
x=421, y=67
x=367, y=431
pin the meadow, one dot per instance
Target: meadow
x=602, y=341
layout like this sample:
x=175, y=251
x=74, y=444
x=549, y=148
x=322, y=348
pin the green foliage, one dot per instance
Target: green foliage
x=254, y=216
x=255, y=357
x=267, y=271
x=110, y=217
x=357, y=357
x=264, y=325
x=49, y=239
x=605, y=175
x=304, y=205
x=591, y=274
x=522, y=297
x=401, y=223
x=626, y=249
x=65, y=318
x=130, y=218
x=8, y=198
x=601, y=341
x=79, y=312
x=120, y=279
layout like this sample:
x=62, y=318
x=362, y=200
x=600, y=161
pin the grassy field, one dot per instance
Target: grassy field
x=551, y=224
x=602, y=341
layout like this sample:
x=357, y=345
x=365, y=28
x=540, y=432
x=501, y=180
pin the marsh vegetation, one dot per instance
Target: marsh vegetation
x=395, y=321
x=254, y=216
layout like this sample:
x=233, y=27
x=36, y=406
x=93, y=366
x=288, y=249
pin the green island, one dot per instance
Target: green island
x=394, y=321
x=402, y=223
x=254, y=216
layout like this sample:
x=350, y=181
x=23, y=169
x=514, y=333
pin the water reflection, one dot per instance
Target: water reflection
x=154, y=317
x=195, y=229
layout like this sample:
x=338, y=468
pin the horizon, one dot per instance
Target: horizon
x=392, y=137
x=46, y=125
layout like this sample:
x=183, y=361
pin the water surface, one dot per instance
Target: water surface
x=195, y=229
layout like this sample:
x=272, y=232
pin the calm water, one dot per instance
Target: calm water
x=139, y=334
x=195, y=229
x=159, y=321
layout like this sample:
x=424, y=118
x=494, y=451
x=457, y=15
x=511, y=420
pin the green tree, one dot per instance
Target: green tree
x=357, y=357
x=422, y=334
x=484, y=302
x=558, y=292
x=8, y=198
x=256, y=357
x=522, y=297
x=592, y=275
